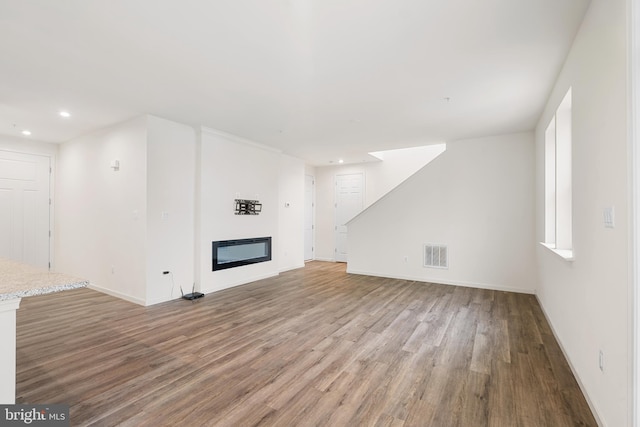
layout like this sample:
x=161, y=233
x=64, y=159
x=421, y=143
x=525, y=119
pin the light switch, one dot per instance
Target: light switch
x=165, y=216
x=609, y=217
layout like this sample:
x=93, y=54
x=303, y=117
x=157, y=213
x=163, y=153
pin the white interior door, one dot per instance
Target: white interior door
x=308, y=217
x=24, y=208
x=349, y=203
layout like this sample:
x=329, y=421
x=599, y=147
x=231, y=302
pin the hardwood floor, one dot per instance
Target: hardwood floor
x=313, y=346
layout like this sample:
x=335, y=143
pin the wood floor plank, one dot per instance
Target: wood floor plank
x=314, y=346
x=501, y=398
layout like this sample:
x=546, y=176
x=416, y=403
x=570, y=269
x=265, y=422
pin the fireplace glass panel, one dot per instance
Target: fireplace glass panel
x=235, y=253
x=241, y=252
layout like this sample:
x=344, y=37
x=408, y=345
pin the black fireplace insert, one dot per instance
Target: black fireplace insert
x=235, y=253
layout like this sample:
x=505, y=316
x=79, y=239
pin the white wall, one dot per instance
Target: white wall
x=291, y=213
x=232, y=168
x=171, y=166
x=173, y=195
x=397, y=166
x=25, y=145
x=476, y=198
x=586, y=300
x=309, y=170
x=101, y=213
x=379, y=178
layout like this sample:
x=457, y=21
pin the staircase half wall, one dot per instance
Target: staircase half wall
x=476, y=199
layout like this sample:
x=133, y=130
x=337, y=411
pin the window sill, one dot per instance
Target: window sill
x=566, y=254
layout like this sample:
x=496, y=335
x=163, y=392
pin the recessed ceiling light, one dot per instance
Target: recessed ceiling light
x=65, y=114
x=26, y=132
x=340, y=161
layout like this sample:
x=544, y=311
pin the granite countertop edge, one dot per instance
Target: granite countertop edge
x=43, y=290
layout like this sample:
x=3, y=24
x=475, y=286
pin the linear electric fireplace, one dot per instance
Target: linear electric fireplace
x=234, y=253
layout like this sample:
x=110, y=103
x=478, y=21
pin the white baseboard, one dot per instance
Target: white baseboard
x=282, y=270
x=117, y=294
x=161, y=300
x=592, y=406
x=324, y=259
x=488, y=286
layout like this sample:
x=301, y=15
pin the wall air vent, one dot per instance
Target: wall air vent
x=436, y=256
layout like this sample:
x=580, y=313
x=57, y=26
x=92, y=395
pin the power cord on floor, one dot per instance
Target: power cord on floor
x=172, y=282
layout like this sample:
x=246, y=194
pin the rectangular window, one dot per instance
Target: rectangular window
x=557, y=184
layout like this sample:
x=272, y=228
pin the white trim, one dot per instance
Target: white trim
x=594, y=409
x=488, y=286
x=295, y=267
x=633, y=118
x=161, y=300
x=10, y=304
x=313, y=215
x=324, y=259
x=52, y=211
x=566, y=254
x=239, y=139
x=198, y=243
x=117, y=294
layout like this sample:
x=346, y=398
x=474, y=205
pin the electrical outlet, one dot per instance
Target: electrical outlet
x=406, y=259
x=601, y=360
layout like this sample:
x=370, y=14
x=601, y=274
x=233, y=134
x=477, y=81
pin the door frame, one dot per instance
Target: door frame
x=633, y=116
x=52, y=163
x=335, y=207
x=313, y=216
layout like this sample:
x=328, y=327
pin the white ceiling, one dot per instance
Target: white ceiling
x=318, y=79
